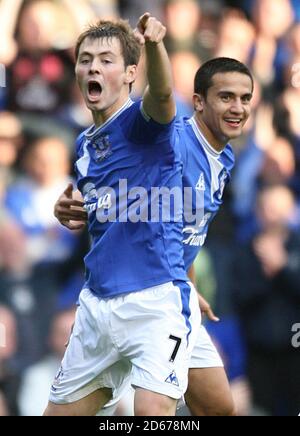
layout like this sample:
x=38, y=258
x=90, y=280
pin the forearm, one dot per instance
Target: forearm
x=192, y=275
x=158, y=70
x=158, y=101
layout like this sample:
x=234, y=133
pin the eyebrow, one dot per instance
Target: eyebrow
x=232, y=94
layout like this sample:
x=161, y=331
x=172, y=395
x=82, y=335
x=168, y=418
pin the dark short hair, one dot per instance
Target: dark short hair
x=203, y=79
x=119, y=29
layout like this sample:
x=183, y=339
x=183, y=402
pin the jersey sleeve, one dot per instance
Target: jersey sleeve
x=79, y=145
x=138, y=127
x=181, y=143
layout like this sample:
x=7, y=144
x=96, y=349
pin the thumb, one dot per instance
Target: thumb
x=69, y=190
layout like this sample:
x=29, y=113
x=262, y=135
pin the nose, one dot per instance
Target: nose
x=95, y=67
x=237, y=107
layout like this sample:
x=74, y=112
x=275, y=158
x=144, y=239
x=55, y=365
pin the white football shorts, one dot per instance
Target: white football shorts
x=144, y=338
x=204, y=353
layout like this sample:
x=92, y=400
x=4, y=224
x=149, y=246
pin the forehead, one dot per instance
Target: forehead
x=233, y=82
x=100, y=45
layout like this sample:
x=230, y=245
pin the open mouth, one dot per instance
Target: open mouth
x=233, y=122
x=94, y=90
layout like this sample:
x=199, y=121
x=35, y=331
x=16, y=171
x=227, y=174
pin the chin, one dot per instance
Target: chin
x=234, y=135
x=93, y=106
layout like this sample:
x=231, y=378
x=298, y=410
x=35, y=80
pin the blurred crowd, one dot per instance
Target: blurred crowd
x=250, y=267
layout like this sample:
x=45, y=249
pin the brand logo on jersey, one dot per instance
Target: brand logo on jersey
x=200, y=186
x=172, y=378
x=102, y=147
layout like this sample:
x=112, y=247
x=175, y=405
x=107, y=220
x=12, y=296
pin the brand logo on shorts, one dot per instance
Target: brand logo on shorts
x=172, y=378
x=57, y=379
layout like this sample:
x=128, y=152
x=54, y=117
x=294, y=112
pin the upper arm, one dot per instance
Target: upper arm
x=162, y=110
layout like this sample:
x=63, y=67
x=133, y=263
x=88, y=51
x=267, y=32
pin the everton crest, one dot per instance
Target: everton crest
x=102, y=147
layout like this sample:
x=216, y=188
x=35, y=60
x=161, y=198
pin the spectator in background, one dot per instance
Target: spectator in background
x=10, y=142
x=184, y=66
x=40, y=76
x=269, y=52
x=183, y=19
x=31, y=199
x=35, y=281
x=133, y=9
x=267, y=159
x=9, y=380
x=267, y=297
x=236, y=36
x=37, y=379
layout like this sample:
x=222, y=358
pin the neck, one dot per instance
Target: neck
x=215, y=143
x=101, y=116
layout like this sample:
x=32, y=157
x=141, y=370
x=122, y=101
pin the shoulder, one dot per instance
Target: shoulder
x=181, y=124
x=132, y=109
x=81, y=139
x=228, y=155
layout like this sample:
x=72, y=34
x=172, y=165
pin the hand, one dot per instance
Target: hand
x=270, y=250
x=149, y=29
x=69, y=209
x=206, y=309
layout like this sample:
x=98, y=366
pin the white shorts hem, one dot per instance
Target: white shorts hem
x=173, y=393
x=208, y=365
x=75, y=396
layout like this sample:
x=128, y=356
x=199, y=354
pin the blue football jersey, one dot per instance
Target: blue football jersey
x=205, y=175
x=118, y=165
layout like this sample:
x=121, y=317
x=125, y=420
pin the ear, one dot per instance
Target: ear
x=198, y=101
x=130, y=74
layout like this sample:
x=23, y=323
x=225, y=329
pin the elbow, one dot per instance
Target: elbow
x=162, y=95
x=166, y=95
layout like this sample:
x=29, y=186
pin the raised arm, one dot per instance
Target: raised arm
x=158, y=99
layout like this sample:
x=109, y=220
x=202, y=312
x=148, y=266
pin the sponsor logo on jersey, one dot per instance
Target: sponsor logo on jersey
x=194, y=238
x=223, y=178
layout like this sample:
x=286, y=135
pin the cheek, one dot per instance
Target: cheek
x=247, y=112
x=78, y=75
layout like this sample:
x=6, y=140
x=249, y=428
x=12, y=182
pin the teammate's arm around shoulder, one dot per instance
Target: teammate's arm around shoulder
x=158, y=99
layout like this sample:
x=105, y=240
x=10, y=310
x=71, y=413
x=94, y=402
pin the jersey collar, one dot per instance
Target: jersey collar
x=203, y=141
x=91, y=131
